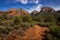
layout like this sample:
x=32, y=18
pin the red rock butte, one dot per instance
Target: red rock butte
x=15, y=12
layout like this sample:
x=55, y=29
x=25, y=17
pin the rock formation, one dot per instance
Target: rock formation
x=47, y=9
x=23, y=12
x=14, y=12
x=34, y=12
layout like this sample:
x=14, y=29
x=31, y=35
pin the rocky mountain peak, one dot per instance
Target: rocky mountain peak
x=34, y=12
x=47, y=9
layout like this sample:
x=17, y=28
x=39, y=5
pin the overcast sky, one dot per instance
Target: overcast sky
x=29, y=5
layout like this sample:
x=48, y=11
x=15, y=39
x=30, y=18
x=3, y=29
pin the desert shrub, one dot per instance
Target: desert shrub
x=27, y=19
x=51, y=37
x=18, y=20
x=16, y=27
x=25, y=25
x=54, y=33
x=4, y=30
x=58, y=21
x=55, y=30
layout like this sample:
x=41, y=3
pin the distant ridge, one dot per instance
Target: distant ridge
x=19, y=12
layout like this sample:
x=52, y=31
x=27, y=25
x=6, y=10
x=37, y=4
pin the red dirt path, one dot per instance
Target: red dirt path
x=34, y=33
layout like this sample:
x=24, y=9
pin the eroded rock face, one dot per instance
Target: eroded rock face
x=22, y=12
x=47, y=9
x=14, y=12
x=34, y=12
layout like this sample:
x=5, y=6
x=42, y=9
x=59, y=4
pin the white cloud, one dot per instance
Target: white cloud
x=34, y=1
x=38, y=8
x=27, y=1
x=22, y=1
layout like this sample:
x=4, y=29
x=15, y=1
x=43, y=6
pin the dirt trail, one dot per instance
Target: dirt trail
x=34, y=33
x=37, y=32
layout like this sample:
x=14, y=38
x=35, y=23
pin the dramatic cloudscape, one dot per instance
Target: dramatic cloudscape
x=29, y=5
